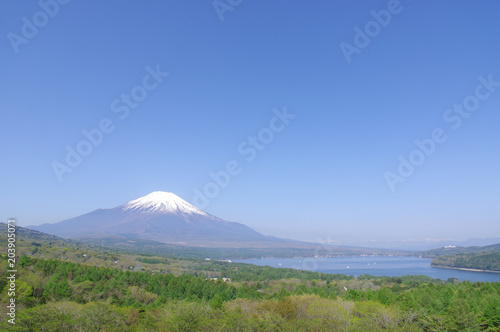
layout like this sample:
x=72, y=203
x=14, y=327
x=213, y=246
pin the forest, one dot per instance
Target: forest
x=54, y=295
x=65, y=285
x=485, y=258
x=488, y=261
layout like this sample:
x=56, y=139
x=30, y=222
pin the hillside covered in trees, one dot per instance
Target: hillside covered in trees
x=451, y=250
x=72, y=286
x=486, y=258
x=486, y=261
x=63, y=296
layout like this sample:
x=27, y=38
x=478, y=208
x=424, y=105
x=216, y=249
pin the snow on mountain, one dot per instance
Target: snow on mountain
x=159, y=216
x=163, y=203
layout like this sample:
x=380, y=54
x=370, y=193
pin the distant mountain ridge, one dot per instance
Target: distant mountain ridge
x=455, y=250
x=163, y=217
x=422, y=245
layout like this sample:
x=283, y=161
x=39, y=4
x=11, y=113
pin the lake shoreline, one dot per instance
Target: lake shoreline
x=389, y=266
x=464, y=269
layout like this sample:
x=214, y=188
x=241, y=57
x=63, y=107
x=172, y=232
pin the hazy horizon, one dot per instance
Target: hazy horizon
x=355, y=240
x=327, y=121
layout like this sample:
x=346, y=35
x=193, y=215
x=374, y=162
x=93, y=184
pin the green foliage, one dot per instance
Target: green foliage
x=64, y=296
x=216, y=301
x=68, y=316
x=152, y=260
x=459, y=250
x=24, y=260
x=142, y=296
x=248, y=272
x=479, y=258
x=480, y=261
x=59, y=295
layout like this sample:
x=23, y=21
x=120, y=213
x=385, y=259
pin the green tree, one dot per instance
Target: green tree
x=460, y=317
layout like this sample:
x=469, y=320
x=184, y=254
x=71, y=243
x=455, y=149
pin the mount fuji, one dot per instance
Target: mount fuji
x=163, y=217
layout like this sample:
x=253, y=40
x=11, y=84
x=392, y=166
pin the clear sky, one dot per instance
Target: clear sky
x=311, y=110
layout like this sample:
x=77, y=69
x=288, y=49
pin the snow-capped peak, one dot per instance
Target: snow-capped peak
x=162, y=202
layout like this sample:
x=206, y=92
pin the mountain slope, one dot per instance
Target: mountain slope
x=459, y=250
x=485, y=261
x=163, y=217
x=486, y=258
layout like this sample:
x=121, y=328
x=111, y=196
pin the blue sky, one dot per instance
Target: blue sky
x=320, y=174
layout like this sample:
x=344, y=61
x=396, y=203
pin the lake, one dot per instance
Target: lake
x=391, y=266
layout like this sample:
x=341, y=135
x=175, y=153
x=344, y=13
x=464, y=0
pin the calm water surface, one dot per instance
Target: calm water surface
x=391, y=266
